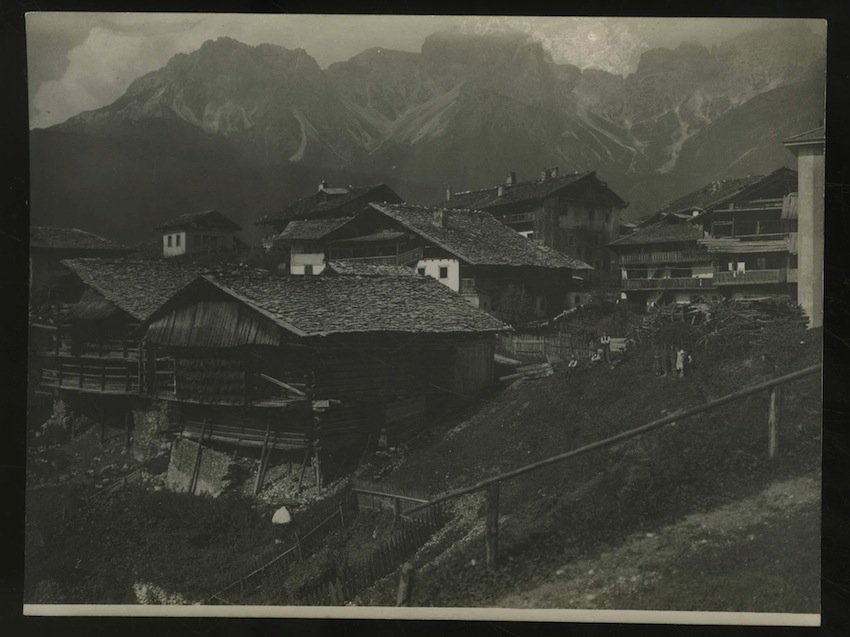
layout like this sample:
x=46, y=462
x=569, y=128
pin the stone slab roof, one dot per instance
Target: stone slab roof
x=487, y=198
x=202, y=220
x=476, y=237
x=323, y=305
x=661, y=232
x=52, y=238
x=306, y=229
x=136, y=286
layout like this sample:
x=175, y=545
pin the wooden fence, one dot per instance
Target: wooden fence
x=491, y=485
x=409, y=535
x=268, y=573
x=562, y=344
x=410, y=531
x=268, y=570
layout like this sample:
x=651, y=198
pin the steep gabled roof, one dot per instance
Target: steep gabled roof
x=330, y=202
x=476, y=237
x=203, y=220
x=324, y=305
x=305, y=229
x=135, y=286
x=488, y=198
x=52, y=238
x=366, y=269
x=711, y=194
x=664, y=231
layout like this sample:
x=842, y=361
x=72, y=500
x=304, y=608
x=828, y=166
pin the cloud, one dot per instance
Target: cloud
x=83, y=61
x=100, y=68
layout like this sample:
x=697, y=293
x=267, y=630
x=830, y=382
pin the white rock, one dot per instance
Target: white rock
x=281, y=516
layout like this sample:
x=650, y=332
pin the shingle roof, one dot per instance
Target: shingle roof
x=320, y=205
x=203, y=220
x=524, y=191
x=476, y=237
x=711, y=194
x=367, y=269
x=137, y=287
x=48, y=237
x=311, y=228
x=322, y=305
x=661, y=232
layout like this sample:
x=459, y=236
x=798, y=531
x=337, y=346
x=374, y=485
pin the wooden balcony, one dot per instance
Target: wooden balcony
x=86, y=374
x=405, y=258
x=687, y=283
x=671, y=256
x=517, y=217
x=750, y=277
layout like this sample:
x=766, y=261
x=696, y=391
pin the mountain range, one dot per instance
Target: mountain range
x=247, y=129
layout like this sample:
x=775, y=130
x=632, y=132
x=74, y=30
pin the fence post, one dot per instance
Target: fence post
x=341, y=516
x=396, y=511
x=197, y=468
x=258, y=484
x=298, y=546
x=491, y=530
x=127, y=422
x=405, y=585
x=773, y=421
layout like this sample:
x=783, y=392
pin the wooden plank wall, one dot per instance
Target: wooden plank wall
x=473, y=368
x=213, y=324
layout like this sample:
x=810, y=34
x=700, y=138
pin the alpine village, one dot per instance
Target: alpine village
x=512, y=396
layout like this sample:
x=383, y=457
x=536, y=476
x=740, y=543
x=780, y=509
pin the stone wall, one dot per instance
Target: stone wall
x=213, y=470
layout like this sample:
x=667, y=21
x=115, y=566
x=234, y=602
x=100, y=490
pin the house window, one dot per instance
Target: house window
x=169, y=241
x=444, y=272
x=177, y=240
x=420, y=271
x=467, y=285
x=308, y=269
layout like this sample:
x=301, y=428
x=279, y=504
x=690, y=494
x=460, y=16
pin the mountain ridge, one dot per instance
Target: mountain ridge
x=464, y=111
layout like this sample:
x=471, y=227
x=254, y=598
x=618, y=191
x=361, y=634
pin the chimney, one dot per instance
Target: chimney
x=440, y=217
x=555, y=172
x=322, y=185
x=500, y=191
x=543, y=175
x=511, y=180
x=448, y=193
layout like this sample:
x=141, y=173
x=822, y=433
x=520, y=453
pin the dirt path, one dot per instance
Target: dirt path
x=759, y=554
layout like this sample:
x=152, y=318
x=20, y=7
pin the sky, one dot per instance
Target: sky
x=81, y=61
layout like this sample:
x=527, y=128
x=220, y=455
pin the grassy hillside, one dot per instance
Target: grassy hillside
x=580, y=507
x=567, y=514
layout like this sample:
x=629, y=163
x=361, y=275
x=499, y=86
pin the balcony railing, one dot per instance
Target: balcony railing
x=672, y=256
x=411, y=256
x=750, y=277
x=86, y=374
x=517, y=217
x=688, y=283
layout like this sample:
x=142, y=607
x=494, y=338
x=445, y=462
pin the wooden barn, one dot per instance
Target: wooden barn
x=96, y=344
x=252, y=358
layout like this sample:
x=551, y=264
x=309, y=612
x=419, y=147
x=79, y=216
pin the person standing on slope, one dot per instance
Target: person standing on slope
x=605, y=340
